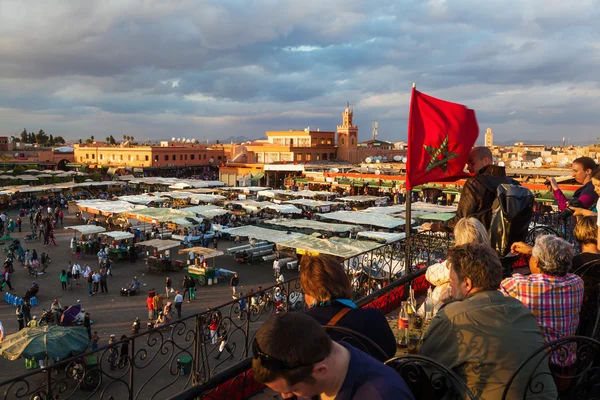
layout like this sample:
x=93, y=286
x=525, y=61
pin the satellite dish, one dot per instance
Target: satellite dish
x=378, y=161
x=538, y=164
x=368, y=160
x=212, y=160
x=334, y=170
x=16, y=154
x=364, y=169
x=520, y=158
x=173, y=139
x=404, y=160
x=179, y=139
x=397, y=158
x=384, y=158
x=562, y=164
x=183, y=139
x=501, y=164
x=548, y=159
x=378, y=172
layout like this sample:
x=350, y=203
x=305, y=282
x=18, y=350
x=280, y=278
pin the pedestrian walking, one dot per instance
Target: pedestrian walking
x=192, y=285
x=124, y=356
x=63, y=280
x=95, y=340
x=20, y=317
x=26, y=308
x=19, y=222
x=7, y=279
x=52, y=239
x=88, y=325
x=157, y=305
x=103, y=280
x=114, y=353
x=69, y=278
x=223, y=345
x=276, y=267
x=96, y=281
x=178, y=301
x=90, y=282
x=168, y=284
x=185, y=284
x=235, y=281
x=150, y=306
x=76, y=271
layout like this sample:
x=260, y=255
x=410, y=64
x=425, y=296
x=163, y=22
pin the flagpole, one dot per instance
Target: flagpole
x=407, y=224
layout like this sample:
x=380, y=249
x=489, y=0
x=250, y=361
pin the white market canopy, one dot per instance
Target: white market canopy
x=160, y=244
x=105, y=207
x=364, y=218
x=263, y=234
x=186, y=222
x=358, y=199
x=338, y=247
x=418, y=206
x=118, y=235
x=143, y=199
x=250, y=205
x=284, y=208
x=387, y=237
x=175, y=183
x=293, y=193
x=153, y=215
x=203, y=251
x=311, y=203
x=194, y=198
x=208, y=212
x=246, y=189
x=86, y=229
x=314, y=225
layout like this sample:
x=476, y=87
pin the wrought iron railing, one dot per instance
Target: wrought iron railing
x=165, y=361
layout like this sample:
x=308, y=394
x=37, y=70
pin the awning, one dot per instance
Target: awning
x=118, y=235
x=153, y=215
x=255, y=232
x=73, y=165
x=339, y=247
x=160, y=244
x=86, y=229
x=203, y=251
x=437, y=216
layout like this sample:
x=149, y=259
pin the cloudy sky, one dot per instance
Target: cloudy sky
x=220, y=68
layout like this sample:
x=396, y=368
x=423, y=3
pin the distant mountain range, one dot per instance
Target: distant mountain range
x=544, y=142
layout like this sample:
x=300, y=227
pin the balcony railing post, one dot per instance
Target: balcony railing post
x=49, y=375
x=197, y=344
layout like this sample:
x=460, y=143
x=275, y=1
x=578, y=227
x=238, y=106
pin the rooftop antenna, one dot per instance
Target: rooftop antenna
x=375, y=126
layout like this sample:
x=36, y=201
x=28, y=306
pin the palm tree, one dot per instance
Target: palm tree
x=124, y=137
x=107, y=140
x=131, y=138
x=92, y=137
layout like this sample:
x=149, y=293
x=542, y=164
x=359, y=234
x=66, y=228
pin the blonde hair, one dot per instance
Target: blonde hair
x=470, y=230
x=586, y=231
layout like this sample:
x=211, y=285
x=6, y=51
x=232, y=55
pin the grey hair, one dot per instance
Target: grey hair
x=555, y=255
x=470, y=230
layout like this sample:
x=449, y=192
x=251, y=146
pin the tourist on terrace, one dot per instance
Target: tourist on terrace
x=586, y=234
x=484, y=336
x=467, y=230
x=316, y=366
x=550, y=292
x=479, y=191
x=327, y=293
x=584, y=197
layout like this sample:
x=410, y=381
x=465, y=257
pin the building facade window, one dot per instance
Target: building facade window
x=353, y=141
x=298, y=156
x=121, y=157
x=308, y=156
x=148, y=157
x=156, y=158
x=166, y=158
x=192, y=156
x=328, y=141
x=219, y=157
x=93, y=156
x=317, y=157
x=87, y=155
x=174, y=157
x=101, y=156
x=324, y=156
x=332, y=156
x=137, y=157
x=204, y=157
x=322, y=141
x=343, y=141
x=181, y=157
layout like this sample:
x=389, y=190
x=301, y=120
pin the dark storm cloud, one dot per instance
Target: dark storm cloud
x=213, y=66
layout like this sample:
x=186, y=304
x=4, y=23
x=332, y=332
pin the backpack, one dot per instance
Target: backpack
x=512, y=212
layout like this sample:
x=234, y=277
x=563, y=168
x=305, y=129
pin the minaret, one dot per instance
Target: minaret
x=347, y=138
x=489, y=137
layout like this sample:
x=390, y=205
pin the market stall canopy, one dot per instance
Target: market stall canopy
x=246, y=189
x=250, y=205
x=153, y=215
x=208, y=212
x=52, y=342
x=106, y=207
x=437, y=216
x=186, y=222
x=256, y=232
x=386, y=237
x=314, y=225
x=284, y=208
x=26, y=178
x=358, y=199
x=118, y=235
x=194, y=198
x=144, y=199
x=175, y=183
x=86, y=229
x=160, y=244
x=418, y=206
x=203, y=251
x=311, y=202
x=365, y=218
x=338, y=247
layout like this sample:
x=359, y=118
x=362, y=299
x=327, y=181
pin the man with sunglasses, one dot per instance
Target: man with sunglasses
x=316, y=367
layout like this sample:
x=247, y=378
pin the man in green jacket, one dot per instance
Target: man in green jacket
x=484, y=336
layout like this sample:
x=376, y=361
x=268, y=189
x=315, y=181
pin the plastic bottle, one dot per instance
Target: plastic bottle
x=429, y=305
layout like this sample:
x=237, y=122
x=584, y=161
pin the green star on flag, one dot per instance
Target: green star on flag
x=435, y=154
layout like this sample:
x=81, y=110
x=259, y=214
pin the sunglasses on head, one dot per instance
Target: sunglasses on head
x=275, y=364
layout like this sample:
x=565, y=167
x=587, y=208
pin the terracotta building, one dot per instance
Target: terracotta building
x=169, y=155
x=17, y=153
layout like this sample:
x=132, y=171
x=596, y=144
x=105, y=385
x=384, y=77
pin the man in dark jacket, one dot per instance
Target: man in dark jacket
x=235, y=281
x=479, y=191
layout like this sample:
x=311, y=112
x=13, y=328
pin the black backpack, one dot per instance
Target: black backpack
x=512, y=212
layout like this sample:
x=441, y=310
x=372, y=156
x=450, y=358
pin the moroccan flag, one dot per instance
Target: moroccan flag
x=440, y=137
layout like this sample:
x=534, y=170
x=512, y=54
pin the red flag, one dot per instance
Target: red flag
x=440, y=137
